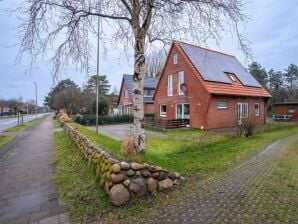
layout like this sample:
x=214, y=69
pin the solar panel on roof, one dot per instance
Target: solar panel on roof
x=212, y=65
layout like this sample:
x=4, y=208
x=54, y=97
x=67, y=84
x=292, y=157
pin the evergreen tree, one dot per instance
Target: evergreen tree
x=292, y=76
x=259, y=73
x=103, y=85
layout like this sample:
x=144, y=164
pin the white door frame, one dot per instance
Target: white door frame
x=182, y=112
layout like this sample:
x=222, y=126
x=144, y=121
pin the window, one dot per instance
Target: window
x=222, y=105
x=148, y=92
x=163, y=110
x=126, y=93
x=175, y=58
x=128, y=110
x=170, y=85
x=291, y=110
x=257, y=109
x=180, y=81
x=244, y=110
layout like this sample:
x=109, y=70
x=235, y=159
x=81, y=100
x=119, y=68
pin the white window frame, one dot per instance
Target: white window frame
x=163, y=114
x=125, y=93
x=175, y=59
x=291, y=110
x=170, y=85
x=244, y=110
x=180, y=81
x=257, y=110
x=146, y=92
x=221, y=107
x=128, y=110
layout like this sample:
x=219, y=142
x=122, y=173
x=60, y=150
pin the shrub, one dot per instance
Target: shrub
x=90, y=119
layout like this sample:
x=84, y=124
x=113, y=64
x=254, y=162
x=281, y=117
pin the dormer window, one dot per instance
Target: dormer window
x=175, y=58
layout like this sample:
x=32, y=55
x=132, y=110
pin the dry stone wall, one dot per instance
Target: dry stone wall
x=122, y=180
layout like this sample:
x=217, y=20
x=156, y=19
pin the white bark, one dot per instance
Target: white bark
x=138, y=77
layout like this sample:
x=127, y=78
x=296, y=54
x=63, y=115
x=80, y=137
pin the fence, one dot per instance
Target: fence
x=165, y=124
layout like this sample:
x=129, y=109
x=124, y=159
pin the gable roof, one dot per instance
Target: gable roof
x=211, y=68
x=149, y=83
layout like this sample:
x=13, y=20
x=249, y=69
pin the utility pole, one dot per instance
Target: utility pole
x=97, y=73
x=35, y=84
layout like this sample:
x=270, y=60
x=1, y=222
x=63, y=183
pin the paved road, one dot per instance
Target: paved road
x=120, y=131
x=6, y=123
x=228, y=198
x=27, y=191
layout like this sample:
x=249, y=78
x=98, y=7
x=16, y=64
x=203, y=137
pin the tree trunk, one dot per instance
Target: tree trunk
x=138, y=83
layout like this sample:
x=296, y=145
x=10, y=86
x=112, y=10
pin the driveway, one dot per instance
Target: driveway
x=228, y=199
x=120, y=131
x=28, y=193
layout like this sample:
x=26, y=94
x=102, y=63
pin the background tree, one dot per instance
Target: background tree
x=259, y=73
x=154, y=64
x=66, y=27
x=103, y=85
x=292, y=77
x=103, y=106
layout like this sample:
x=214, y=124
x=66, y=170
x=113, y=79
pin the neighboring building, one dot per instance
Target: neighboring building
x=125, y=102
x=210, y=88
x=113, y=103
x=287, y=108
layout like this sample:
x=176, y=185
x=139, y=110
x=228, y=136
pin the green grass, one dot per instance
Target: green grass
x=78, y=186
x=192, y=151
x=4, y=139
x=24, y=126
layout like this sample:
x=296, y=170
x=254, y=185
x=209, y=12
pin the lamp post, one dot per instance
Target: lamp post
x=97, y=74
x=35, y=84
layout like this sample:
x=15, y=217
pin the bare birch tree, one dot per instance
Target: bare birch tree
x=64, y=27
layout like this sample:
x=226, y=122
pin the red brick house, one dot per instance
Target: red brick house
x=287, y=108
x=210, y=88
x=125, y=102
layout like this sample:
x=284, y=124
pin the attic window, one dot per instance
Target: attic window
x=232, y=77
x=175, y=58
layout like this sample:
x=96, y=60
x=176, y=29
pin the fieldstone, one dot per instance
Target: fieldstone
x=155, y=175
x=151, y=184
x=116, y=168
x=182, y=179
x=126, y=183
x=146, y=165
x=172, y=175
x=130, y=173
x=165, y=184
x=107, y=186
x=162, y=175
x=145, y=173
x=124, y=166
x=158, y=168
x=176, y=182
x=152, y=169
x=138, y=173
x=137, y=187
x=117, y=178
x=136, y=166
x=119, y=195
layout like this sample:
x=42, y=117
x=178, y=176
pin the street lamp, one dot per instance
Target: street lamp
x=97, y=73
x=35, y=84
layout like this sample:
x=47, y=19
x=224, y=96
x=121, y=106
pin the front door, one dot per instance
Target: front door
x=182, y=111
x=242, y=112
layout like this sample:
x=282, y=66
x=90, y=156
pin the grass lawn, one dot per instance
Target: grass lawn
x=78, y=185
x=192, y=151
x=24, y=126
x=4, y=139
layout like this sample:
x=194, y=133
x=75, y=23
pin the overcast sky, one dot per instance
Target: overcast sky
x=272, y=30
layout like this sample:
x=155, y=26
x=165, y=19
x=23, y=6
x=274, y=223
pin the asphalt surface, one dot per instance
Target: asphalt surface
x=28, y=193
x=6, y=123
